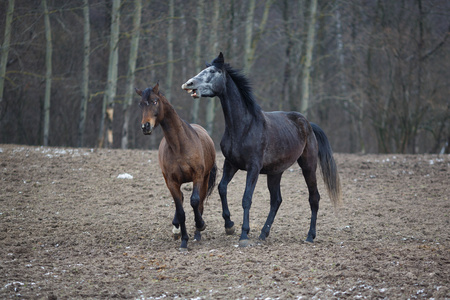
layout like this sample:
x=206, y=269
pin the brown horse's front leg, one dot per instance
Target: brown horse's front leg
x=179, y=214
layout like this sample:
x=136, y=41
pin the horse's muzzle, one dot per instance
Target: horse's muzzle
x=147, y=128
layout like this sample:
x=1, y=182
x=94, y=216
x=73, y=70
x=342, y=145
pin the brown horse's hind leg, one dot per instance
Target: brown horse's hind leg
x=308, y=164
x=197, y=198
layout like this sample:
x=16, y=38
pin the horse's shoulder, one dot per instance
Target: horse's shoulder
x=202, y=133
x=198, y=129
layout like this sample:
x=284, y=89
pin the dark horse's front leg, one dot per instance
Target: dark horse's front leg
x=252, y=178
x=228, y=173
x=273, y=183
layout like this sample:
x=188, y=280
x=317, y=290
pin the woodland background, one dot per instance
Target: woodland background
x=374, y=74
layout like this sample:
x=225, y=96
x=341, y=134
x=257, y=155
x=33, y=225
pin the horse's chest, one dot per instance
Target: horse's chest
x=240, y=154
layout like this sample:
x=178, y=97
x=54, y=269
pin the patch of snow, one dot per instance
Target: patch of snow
x=125, y=176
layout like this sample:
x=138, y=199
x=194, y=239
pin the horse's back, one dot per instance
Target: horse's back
x=288, y=134
x=197, y=155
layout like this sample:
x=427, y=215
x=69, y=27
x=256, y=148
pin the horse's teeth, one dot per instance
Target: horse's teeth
x=189, y=91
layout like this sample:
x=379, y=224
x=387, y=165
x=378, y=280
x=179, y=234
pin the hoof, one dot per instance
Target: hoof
x=244, y=243
x=197, y=236
x=309, y=241
x=229, y=231
x=183, y=250
x=176, y=232
x=202, y=228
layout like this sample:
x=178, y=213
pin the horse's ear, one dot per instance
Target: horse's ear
x=156, y=88
x=218, y=61
x=138, y=91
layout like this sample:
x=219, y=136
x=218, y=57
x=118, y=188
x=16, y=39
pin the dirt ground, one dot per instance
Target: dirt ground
x=71, y=228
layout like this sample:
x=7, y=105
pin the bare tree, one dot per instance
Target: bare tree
x=85, y=78
x=252, y=40
x=5, y=50
x=111, y=84
x=306, y=74
x=198, y=53
x=170, y=38
x=213, y=42
x=134, y=46
x=48, y=72
x=377, y=69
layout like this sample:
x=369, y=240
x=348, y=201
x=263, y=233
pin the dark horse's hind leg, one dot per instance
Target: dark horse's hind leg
x=273, y=183
x=309, y=167
x=228, y=173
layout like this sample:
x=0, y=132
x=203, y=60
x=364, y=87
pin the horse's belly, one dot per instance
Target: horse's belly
x=279, y=164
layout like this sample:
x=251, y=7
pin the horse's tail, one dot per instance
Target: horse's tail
x=212, y=179
x=328, y=166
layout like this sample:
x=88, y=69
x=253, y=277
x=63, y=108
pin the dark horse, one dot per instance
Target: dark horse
x=264, y=143
x=186, y=154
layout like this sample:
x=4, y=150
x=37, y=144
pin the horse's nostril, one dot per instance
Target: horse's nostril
x=190, y=83
x=146, y=126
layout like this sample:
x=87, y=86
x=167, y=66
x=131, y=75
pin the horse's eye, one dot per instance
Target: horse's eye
x=155, y=102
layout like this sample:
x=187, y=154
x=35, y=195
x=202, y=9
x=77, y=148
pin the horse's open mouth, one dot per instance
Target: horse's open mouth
x=193, y=93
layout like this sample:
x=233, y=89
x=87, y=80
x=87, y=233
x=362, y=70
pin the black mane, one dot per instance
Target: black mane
x=244, y=87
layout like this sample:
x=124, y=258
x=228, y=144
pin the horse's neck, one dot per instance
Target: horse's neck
x=236, y=112
x=173, y=128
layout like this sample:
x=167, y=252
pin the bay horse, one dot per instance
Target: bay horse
x=264, y=143
x=186, y=154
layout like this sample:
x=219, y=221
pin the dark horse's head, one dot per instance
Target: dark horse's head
x=151, y=108
x=218, y=79
x=210, y=82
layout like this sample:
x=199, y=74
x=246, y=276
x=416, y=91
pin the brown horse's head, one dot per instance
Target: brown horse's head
x=150, y=104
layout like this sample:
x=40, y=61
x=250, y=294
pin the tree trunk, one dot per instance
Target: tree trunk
x=85, y=79
x=231, y=36
x=198, y=61
x=343, y=90
x=5, y=50
x=111, y=84
x=248, y=35
x=170, y=38
x=287, y=74
x=48, y=72
x=213, y=42
x=306, y=74
x=251, y=42
x=134, y=46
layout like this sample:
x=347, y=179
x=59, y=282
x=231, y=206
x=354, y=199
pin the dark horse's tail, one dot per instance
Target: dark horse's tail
x=212, y=179
x=328, y=166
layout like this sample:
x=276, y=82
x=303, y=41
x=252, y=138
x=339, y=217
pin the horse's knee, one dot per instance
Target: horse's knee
x=195, y=200
x=246, y=203
x=222, y=189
